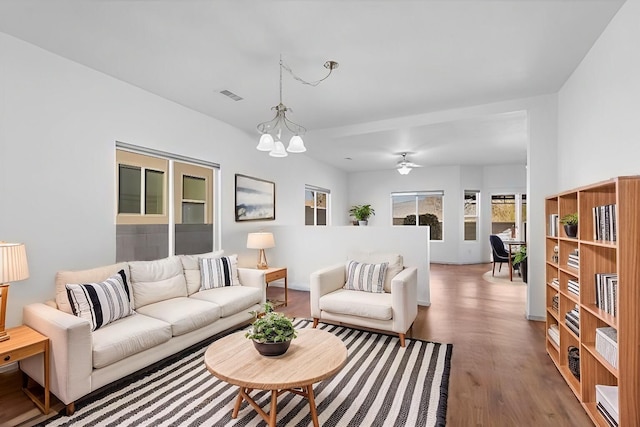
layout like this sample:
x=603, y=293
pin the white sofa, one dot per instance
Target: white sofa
x=171, y=314
x=393, y=310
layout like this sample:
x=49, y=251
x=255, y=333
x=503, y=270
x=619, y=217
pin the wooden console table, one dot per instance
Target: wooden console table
x=25, y=342
x=276, y=273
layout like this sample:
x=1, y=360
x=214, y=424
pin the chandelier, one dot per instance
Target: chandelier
x=277, y=128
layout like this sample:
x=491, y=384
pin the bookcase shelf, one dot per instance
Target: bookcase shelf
x=607, y=250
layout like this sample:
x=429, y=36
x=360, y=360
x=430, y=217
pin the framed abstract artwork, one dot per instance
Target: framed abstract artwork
x=255, y=199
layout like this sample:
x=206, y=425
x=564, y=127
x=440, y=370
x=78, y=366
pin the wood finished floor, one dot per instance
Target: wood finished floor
x=500, y=372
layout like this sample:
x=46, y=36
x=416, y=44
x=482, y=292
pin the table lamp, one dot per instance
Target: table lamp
x=261, y=241
x=13, y=267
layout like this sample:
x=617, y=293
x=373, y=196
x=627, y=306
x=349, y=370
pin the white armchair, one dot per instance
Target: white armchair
x=393, y=310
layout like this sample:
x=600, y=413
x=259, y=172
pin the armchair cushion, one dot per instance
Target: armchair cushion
x=395, y=261
x=365, y=277
x=362, y=304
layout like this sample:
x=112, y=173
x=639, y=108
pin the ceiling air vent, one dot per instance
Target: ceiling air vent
x=231, y=95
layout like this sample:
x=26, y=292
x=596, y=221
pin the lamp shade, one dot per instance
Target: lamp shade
x=13, y=262
x=266, y=143
x=260, y=241
x=278, y=150
x=296, y=145
x=404, y=170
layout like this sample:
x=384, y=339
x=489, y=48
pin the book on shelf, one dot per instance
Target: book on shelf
x=555, y=282
x=607, y=292
x=573, y=286
x=573, y=260
x=607, y=344
x=604, y=223
x=607, y=403
x=554, y=225
x=572, y=320
x=555, y=302
x=554, y=334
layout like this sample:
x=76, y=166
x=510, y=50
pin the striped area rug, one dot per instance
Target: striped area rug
x=381, y=385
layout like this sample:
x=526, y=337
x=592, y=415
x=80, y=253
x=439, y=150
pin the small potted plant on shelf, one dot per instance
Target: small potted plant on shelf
x=570, y=222
x=520, y=260
x=271, y=332
x=362, y=213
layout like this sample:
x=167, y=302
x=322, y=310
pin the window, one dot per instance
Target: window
x=316, y=206
x=141, y=183
x=508, y=213
x=426, y=206
x=161, y=213
x=471, y=213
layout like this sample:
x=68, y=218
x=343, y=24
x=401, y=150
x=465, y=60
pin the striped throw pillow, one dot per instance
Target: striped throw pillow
x=366, y=277
x=218, y=272
x=101, y=303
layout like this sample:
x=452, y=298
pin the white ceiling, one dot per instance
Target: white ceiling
x=397, y=59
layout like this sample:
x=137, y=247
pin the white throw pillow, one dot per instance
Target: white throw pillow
x=218, y=272
x=101, y=303
x=366, y=277
x=191, y=266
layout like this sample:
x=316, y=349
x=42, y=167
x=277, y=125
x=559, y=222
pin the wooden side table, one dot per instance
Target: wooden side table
x=276, y=273
x=25, y=342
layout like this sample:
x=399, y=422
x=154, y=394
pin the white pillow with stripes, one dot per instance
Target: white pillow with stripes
x=218, y=272
x=101, y=303
x=366, y=277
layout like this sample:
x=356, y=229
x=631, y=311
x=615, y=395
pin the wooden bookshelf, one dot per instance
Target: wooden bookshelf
x=621, y=257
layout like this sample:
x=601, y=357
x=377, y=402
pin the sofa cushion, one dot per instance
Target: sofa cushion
x=183, y=314
x=231, y=299
x=355, y=303
x=126, y=337
x=365, y=277
x=396, y=264
x=191, y=267
x=101, y=303
x=154, y=281
x=218, y=272
x=94, y=275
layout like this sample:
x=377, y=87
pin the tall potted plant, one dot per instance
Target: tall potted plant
x=362, y=213
x=521, y=261
x=570, y=222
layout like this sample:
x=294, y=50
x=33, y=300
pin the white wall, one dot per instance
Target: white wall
x=599, y=107
x=376, y=187
x=58, y=125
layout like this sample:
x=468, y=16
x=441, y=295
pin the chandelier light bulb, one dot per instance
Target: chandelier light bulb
x=404, y=170
x=266, y=143
x=296, y=145
x=278, y=150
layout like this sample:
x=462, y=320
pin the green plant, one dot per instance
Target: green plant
x=570, y=219
x=521, y=255
x=271, y=326
x=362, y=212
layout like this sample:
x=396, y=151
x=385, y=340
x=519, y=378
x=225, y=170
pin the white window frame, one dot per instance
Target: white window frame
x=315, y=190
x=476, y=216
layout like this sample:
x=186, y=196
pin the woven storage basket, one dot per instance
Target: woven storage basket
x=574, y=361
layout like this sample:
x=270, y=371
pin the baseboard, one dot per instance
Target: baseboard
x=536, y=318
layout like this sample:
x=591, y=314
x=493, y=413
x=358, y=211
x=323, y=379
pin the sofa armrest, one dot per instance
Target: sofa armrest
x=254, y=278
x=325, y=281
x=71, y=352
x=404, y=299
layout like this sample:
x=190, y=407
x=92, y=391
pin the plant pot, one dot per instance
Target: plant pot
x=272, y=348
x=362, y=223
x=571, y=230
x=523, y=270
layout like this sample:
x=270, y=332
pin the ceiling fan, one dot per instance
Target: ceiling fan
x=404, y=166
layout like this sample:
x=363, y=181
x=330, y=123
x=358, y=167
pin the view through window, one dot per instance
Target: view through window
x=419, y=209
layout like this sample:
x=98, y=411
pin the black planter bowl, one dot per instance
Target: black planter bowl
x=272, y=348
x=571, y=230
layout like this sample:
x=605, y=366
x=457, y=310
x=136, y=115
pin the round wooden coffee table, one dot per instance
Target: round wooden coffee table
x=313, y=356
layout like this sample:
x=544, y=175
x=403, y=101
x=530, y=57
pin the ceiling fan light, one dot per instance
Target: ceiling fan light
x=296, y=145
x=266, y=143
x=404, y=170
x=278, y=150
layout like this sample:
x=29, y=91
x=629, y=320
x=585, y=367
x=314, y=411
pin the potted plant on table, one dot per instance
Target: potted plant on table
x=570, y=222
x=520, y=260
x=362, y=213
x=271, y=332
